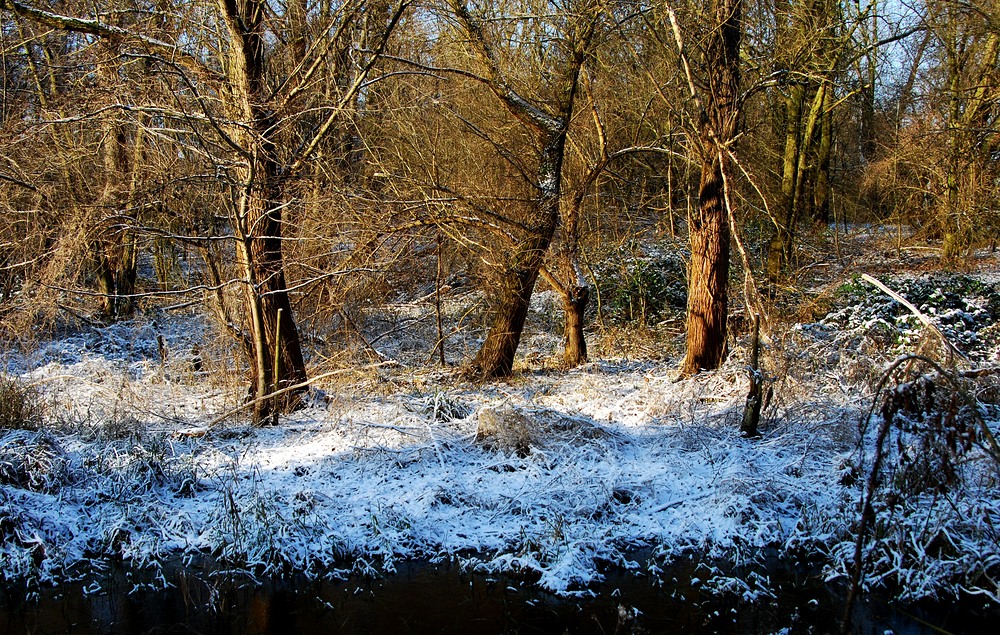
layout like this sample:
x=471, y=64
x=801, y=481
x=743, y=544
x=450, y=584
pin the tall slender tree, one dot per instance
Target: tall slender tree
x=547, y=119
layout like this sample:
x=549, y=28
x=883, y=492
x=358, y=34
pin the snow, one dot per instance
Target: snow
x=383, y=465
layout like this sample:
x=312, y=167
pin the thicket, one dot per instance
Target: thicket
x=329, y=180
x=395, y=161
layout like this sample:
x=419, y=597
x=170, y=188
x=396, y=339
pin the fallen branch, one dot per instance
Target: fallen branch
x=287, y=389
x=980, y=372
x=915, y=311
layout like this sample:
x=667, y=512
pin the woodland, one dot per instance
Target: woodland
x=313, y=157
x=752, y=224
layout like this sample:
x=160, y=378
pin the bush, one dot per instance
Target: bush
x=966, y=310
x=641, y=286
x=20, y=405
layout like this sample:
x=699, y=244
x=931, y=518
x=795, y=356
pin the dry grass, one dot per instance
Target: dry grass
x=21, y=405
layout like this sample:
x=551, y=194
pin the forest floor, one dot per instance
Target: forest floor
x=131, y=447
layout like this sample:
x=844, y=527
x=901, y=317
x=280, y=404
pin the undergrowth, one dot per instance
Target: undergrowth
x=21, y=405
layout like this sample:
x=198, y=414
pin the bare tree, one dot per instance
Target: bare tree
x=254, y=105
x=718, y=108
x=547, y=119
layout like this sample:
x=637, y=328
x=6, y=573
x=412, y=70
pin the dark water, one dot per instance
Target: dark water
x=423, y=598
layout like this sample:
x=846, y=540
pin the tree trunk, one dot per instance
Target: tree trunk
x=821, y=189
x=266, y=269
x=781, y=239
x=574, y=288
x=795, y=203
x=708, y=290
x=574, y=306
x=496, y=357
x=708, y=294
x=257, y=216
x=114, y=249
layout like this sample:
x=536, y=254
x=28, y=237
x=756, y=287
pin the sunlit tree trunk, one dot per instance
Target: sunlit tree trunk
x=257, y=213
x=572, y=286
x=496, y=356
x=550, y=124
x=708, y=290
x=575, y=307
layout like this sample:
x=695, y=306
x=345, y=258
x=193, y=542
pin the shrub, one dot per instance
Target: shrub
x=641, y=286
x=32, y=460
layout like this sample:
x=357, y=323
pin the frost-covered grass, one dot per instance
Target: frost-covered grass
x=384, y=465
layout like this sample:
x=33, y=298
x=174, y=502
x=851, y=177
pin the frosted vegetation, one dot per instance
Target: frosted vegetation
x=127, y=442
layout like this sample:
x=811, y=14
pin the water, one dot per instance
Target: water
x=424, y=598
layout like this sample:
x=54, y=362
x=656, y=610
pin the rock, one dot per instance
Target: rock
x=504, y=430
x=517, y=430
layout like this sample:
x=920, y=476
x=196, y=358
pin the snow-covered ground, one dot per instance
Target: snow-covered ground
x=135, y=458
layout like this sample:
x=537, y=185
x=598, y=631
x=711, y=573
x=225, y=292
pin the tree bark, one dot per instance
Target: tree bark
x=257, y=218
x=789, y=172
x=263, y=265
x=708, y=290
x=575, y=306
x=708, y=294
x=821, y=189
x=495, y=358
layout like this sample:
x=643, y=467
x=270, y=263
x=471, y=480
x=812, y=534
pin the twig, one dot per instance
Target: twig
x=83, y=318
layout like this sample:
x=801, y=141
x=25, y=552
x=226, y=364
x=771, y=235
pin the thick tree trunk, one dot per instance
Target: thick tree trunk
x=261, y=260
x=116, y=275
x=495, y=358
x=708, y=290
x=708, y=294
x=105, y=280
